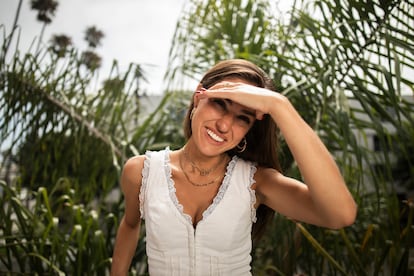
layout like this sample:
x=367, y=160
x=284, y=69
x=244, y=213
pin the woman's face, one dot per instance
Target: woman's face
x=219, y=125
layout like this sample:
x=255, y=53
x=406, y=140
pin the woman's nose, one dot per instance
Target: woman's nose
x=225, y=123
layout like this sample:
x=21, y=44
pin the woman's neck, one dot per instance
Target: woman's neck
x=200, y=161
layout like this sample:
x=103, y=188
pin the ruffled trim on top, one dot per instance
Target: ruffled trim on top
x=171, y=186
x=223, y=188
x=219, y=196
x=143, y=189
x=253, y=170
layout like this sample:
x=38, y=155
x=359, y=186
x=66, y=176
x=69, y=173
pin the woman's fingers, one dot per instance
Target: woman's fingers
x=257, y=98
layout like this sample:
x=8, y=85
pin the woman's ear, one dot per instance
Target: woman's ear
x=196, y=93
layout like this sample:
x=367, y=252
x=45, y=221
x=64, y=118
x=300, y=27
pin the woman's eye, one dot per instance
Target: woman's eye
x=219, y=102
x=244, y=119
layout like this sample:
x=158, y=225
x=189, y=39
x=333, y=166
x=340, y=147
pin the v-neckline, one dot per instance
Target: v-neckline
x=216, y=200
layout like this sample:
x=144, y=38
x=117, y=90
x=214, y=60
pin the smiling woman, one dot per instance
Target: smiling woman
x=203, y=203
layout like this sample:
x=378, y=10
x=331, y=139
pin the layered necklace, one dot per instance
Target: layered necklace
x=202, y=171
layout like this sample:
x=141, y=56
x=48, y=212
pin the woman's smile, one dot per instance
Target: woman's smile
x=214, y=136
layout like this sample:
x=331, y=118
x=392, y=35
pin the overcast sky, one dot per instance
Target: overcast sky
x=138, y=31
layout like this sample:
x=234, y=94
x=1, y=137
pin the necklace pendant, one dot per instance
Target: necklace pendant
x=204, y=173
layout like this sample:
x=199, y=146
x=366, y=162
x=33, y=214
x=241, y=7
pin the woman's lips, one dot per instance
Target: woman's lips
x=214, y=136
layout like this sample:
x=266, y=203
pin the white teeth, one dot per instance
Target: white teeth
x=214, y=136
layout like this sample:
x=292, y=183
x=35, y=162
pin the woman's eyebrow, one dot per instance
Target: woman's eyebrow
x=249, y=112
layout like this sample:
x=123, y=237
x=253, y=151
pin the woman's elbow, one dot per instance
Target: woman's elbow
x=346, y=218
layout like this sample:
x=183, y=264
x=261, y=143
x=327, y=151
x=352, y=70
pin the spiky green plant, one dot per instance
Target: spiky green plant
x=346, y=66
x=68, y=139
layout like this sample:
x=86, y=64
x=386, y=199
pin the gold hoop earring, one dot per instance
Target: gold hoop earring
x=243, y=146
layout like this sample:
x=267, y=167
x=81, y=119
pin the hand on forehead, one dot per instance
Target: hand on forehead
x=234, y=90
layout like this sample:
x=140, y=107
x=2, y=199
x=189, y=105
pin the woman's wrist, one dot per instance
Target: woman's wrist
x=278, y=105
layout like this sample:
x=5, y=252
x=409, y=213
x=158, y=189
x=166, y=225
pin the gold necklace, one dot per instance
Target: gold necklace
x=203, y=172
x=193, y=183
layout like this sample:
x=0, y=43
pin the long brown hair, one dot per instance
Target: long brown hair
x=262, y=138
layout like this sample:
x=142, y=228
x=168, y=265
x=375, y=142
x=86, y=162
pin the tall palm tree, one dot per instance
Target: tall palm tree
x=45, y=10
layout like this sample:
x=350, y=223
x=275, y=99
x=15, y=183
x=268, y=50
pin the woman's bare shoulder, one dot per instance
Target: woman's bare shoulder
x=135, y=162
x=264, y=174
x=132, y=172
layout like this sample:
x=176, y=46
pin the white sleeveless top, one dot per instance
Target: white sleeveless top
x=221, y=242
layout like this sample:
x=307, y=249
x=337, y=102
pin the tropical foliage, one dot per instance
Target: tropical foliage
x=68, y=140
x=345, y=65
